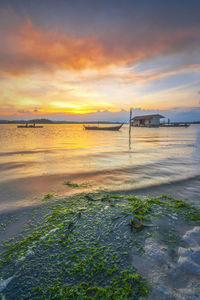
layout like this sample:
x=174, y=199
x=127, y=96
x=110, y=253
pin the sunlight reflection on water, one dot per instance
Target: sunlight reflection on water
x=157, y=155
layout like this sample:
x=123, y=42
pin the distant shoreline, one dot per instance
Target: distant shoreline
x=47, y=121
x=58, y=122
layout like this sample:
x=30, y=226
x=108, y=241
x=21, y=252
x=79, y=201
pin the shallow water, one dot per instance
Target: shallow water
x=106, y=159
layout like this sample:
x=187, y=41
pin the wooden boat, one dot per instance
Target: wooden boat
x=29, y=126
x=113, y=128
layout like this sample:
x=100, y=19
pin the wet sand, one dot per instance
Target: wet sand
x=187, y=190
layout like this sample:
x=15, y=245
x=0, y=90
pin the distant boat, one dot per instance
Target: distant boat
x=29, y=126
x=175, y=125
x=113, y=128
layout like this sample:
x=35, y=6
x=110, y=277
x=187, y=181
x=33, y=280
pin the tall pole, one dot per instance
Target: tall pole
x=130, y=121
x=130, y=128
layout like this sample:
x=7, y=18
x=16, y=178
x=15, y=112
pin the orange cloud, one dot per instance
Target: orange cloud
x=27, y=48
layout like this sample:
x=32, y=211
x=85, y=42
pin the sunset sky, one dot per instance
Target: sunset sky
x=80, y=59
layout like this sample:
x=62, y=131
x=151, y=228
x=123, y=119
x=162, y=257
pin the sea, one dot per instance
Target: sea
x=38, y=160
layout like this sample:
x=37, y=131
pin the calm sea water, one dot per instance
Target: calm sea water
x=155, y=155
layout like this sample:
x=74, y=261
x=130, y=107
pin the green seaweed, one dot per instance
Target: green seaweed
x=76, y=185
x=47, y=196
x=71, y=184
x=122, y=287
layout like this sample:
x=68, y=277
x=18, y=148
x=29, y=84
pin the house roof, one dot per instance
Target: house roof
x=147, y=117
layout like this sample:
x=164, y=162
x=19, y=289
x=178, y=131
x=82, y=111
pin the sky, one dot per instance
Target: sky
x=93, y=60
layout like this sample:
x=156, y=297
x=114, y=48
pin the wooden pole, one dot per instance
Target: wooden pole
x=130, y=128
x=130, y=121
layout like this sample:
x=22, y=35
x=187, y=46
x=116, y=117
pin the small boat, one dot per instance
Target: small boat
x=29, y=126
x=113, y=128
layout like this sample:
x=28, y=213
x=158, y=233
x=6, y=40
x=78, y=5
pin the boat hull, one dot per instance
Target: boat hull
x=21, y=126
x=111, y=128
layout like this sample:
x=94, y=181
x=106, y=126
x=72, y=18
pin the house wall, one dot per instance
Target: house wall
x=148, y=122
x=135, y=123
x=155, y=121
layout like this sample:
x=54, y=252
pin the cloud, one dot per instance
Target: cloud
x=28, y=48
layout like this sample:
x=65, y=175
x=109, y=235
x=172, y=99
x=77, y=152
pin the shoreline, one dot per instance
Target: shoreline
x=28, y=192
x=160, y=243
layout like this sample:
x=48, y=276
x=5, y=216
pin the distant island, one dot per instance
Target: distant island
x=47, y=121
